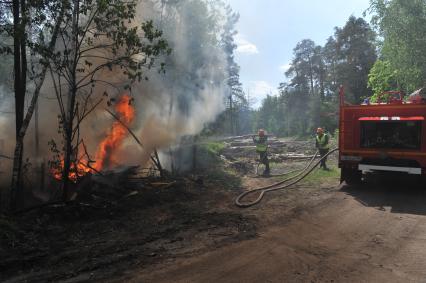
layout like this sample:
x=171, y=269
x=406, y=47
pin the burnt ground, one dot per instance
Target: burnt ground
x=317, y=231
x=82, y=242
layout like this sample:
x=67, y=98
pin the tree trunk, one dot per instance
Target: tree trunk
x=231, y=115
x=67, y=158
x=311, y=75
x=36, y=130
x=9, y=200
x=69, y=122
x=17, y=64
x=194, y=153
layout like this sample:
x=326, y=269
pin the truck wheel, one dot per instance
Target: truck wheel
x=351, y=176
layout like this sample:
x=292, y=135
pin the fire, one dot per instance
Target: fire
x=106, y=155
x=75, y=172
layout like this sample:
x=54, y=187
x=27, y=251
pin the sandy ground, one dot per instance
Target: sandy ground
x=192, y=232
x=324, y=234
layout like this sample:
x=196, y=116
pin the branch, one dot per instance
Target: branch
x=100, y=67
x=92, y=17
x=6, y=157
x=128, y=129
x=89, y=160
x=87, y=113
x=57, y=93
x=102, y=46
x=90, y=167
x=134, y=136
x=34, y=99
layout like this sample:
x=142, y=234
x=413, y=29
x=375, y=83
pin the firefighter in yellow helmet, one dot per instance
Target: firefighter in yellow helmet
x=261, y=141
x=322, y=144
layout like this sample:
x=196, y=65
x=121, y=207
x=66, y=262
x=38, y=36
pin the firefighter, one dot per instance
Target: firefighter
x=322, y=144
x=261, y=141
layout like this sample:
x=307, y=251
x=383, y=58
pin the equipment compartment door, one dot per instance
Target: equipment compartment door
x=401, y=134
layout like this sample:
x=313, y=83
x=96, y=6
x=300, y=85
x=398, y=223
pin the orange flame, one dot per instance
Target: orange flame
x=75, y=172
x=106, y=155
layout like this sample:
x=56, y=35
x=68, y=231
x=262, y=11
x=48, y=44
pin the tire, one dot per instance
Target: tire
x=350, y=176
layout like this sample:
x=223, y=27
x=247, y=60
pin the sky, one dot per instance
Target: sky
x=268, y=30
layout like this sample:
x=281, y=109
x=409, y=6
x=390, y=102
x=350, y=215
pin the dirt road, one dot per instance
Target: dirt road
x=315, y=231
x=340, y=234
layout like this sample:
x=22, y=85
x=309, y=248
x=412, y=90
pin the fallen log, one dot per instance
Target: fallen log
x=242, y=137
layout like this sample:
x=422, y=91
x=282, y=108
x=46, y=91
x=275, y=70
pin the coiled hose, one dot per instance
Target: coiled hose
x=263, y=190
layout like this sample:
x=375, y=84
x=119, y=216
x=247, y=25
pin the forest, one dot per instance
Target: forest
x=366, y=58
x=128, y=137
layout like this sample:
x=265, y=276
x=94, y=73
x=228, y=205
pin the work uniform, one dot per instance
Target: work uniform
x=322, y=143
x=262, y=148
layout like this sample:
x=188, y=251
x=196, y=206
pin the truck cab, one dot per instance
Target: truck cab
x=387, y=136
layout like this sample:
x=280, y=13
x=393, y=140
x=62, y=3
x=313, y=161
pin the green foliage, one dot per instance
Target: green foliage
x=104, y=49
x=356, y=54
x=237, y=102
x=214, y=147
x=319, y=176
x=107, y=39
x=402, y=25
x=382, y=78
x=310, y=98
x=269, y=115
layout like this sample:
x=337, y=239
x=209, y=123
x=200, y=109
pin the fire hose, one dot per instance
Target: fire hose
x=276, y=186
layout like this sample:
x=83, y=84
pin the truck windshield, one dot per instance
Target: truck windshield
x=391, y=134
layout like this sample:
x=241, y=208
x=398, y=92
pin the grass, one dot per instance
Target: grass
x=214, y=147
x=216, y=173
x=209, y=153
x=322, y=176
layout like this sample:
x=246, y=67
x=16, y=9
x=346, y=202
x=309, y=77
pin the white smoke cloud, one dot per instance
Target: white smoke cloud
x=244, y=46
x=181, y=102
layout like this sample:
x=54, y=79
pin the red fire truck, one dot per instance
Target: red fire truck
x=389, y=135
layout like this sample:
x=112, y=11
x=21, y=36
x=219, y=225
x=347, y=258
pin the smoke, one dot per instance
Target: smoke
x=181, y=102
x=6, y=133
x=169, y=106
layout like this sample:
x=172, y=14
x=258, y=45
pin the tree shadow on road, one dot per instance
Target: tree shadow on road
x=398, y=194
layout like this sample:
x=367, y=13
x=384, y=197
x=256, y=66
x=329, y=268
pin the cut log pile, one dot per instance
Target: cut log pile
x=279, y=150
x=118, y=183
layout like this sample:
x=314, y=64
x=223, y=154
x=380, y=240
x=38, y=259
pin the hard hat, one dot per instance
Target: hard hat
x=261, y=132
x=320, y=131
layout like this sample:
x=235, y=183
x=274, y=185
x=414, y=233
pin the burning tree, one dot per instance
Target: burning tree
x=102, y=49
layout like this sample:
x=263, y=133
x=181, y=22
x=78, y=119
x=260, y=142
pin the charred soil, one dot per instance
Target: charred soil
x=92, y=241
